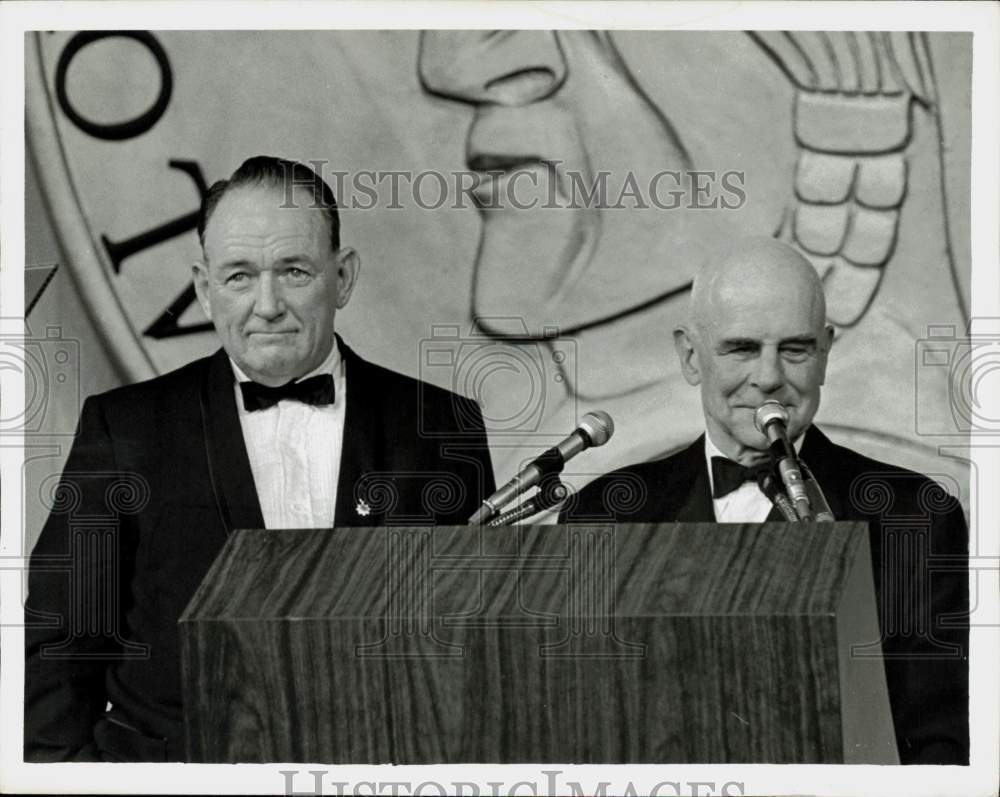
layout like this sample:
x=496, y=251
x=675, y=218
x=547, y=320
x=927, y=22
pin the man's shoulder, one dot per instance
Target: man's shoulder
x=871, y=483
x=652, y=472
x=168, y=387
x=633, y=489
x=853, y=462
x=398, y=387
x=380, y=374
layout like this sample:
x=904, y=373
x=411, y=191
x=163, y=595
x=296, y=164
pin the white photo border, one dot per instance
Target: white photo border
x=983, y=19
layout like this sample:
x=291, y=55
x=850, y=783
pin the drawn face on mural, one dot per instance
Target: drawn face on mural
x=839, y=135
x=605, y=219
x=561, y=108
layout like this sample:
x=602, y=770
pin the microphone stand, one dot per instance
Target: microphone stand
x=816, y=497
x=784, y=458
x=551, y=491
x=771, y=487
x=595, y=429
x=790, y=479
x=550, y=463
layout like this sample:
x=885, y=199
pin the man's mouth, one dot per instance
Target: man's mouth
x=504, y=140
x=499, y=185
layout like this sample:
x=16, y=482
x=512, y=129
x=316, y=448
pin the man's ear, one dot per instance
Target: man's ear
x=348, y=265
x=687, y=353
x=199, y=272
x=825, y=345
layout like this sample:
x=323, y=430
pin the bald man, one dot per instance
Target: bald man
x=757, y=331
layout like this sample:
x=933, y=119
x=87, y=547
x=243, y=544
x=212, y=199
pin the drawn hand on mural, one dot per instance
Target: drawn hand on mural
x=853, y=122
x=827, y=131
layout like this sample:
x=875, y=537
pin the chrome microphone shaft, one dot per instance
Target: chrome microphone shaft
x=771, y=419
x=796, y=488
x=595, y=429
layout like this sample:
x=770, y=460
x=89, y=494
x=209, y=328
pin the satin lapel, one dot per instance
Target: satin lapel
x=229, y=465
x=362, y=451
x=690, y=493
x=820, y=455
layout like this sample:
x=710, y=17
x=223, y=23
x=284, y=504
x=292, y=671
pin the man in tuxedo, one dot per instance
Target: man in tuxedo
x=757, y=331
x=283, y=427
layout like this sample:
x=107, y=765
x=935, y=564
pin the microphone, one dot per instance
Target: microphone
x=771, y=419
x=595, y=429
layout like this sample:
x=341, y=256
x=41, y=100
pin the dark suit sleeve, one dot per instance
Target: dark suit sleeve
x=927, y=653
x=469, y=454
x=623, y=496
x=590, y=504
x=74, y=603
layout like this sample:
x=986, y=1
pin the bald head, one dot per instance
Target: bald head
x=757, y=332
x=756, y=273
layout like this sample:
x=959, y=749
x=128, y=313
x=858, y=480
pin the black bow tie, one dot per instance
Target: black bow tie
x=316, y=390
x=728, y=475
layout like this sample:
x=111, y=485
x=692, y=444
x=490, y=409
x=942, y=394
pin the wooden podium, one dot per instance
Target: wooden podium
x=596, y=643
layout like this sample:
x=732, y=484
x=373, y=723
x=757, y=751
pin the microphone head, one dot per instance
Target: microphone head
x=597, y=426
x=769, y=412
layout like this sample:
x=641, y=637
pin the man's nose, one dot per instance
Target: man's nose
x=499, y=67
x=769, y=372
x=269, y=302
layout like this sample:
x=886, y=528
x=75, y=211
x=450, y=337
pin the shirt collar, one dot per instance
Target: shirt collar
x=331, y=365
x=712, y=450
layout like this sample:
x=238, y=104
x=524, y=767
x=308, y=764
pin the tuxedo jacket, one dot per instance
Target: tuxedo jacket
x=919, y=548
x=156, y=480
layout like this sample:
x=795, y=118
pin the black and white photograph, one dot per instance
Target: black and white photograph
x=500, y=398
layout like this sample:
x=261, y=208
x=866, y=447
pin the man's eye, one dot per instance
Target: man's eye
x=237, y=278
x=795, y=353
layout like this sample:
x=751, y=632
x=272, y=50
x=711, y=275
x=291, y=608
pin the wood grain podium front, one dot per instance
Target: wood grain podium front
x=573, y=644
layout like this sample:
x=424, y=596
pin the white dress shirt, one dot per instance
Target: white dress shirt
x=745, y=504
x=294, y=450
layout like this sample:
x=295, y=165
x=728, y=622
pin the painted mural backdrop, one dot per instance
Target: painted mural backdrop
x=530, y=207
